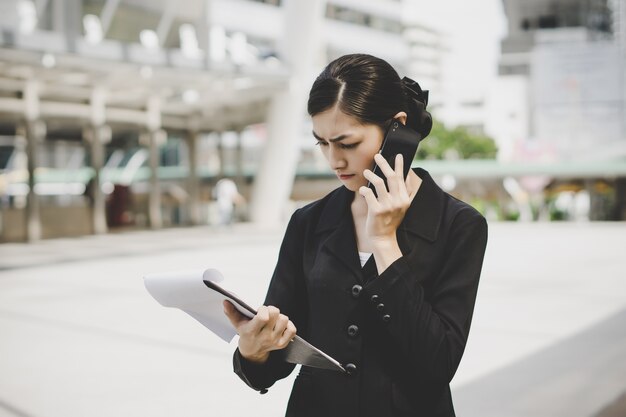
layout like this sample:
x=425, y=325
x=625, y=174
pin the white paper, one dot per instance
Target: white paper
x=187, y=291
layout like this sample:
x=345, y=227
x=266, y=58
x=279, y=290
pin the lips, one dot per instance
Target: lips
x=345, y=176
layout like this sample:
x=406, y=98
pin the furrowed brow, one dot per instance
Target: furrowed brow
x=337, y=139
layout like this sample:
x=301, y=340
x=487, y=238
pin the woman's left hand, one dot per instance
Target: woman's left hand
x=386, y=212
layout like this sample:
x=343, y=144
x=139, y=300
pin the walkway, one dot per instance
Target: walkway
x=79, y=334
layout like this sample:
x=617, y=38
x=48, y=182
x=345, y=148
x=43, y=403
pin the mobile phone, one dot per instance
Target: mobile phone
x=399, y=139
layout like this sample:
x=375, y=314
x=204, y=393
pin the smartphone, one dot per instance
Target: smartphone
x=399, y=139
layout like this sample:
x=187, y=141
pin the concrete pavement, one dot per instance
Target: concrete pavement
x=79, y=335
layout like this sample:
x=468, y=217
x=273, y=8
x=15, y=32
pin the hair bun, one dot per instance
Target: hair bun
x=419, y=118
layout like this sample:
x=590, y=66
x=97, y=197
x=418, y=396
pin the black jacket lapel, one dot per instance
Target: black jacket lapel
x=423, y=218
x=336, y=221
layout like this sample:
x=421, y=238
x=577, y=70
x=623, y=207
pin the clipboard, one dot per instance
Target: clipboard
x=198, y=294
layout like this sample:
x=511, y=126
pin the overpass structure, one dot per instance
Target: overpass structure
x=122, y=73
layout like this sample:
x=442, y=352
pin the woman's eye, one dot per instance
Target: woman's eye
x=321, y=143
x=349, y=145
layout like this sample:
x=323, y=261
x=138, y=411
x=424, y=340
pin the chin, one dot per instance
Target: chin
x=353, y=186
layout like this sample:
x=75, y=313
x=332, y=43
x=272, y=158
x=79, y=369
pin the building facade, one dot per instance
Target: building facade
x=562, y=76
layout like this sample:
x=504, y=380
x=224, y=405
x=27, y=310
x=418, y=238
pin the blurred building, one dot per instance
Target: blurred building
x=561, y=92
x=560, y=101
x=119, y=112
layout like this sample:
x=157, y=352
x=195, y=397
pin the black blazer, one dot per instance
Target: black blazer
x=403, y=332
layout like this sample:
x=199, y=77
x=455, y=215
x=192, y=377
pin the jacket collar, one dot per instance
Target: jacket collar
x=336, y=218
x=336, y=210
x=423, y=217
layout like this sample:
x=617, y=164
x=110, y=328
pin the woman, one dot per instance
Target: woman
x=386, y=285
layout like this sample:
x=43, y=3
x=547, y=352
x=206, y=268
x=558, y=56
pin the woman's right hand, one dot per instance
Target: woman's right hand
x=268, y=330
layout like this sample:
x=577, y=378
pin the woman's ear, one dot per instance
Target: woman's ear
x=401, y=116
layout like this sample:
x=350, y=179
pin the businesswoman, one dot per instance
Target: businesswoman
x=385, y=283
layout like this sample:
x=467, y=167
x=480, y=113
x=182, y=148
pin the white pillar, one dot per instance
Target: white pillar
x=301, y=49
x=58, y=15
x=239, y=162
x=35, y=130
x=73, y=22
x=204, y=29
x=193, y=179
x=221, y=154
x=156, y=138
x=97, y=136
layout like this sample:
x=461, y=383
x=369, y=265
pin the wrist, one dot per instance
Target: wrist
x=256, y=358
x=386, y=252
x=384, y=243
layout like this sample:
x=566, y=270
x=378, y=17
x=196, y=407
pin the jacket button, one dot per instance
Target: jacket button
x=353, y=330
x=374, y=298
x=386, y=318
x=350, y=369
x=356, y=290
x=380, y=307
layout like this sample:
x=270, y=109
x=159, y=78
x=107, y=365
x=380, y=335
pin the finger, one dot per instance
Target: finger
x=274, y=313
x=280, y=326
x=400, y=180
x=271, y=313
x=389, y=172
x=392, y=176
x=399, y=165
x=234, y=316
x=370, y=198
x=288, y=335
x=384, y=166
x=260, y=320
x=379, y=184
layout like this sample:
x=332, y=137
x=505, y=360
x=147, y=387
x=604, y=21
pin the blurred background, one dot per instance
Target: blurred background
x=138, y=136
x=157, y=101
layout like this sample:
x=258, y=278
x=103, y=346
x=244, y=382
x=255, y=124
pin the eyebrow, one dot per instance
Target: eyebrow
x=337, y=139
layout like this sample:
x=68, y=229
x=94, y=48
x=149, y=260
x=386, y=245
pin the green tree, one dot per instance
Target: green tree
x=457, y=143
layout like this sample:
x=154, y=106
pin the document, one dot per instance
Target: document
x=199, y=294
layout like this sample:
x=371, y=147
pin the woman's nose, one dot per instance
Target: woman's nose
x=336, y=159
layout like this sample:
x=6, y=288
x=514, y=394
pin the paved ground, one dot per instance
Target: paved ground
x=80, y=336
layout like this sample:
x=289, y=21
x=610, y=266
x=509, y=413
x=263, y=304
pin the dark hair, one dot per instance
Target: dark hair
x=370, y=90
